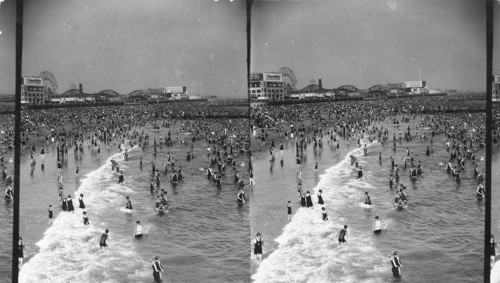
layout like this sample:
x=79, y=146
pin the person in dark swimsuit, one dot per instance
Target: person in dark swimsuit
x=129, y=204
x=157, y=269
x=257, y=250
x=85, y=218
x=80, y=200
x=325, y=215
x=320, y=198
x=289, y=210
x=367, y=199
x=396, y=265
x=104, y=238
x=342, y=235
x=20, y=246
x=309, y=202
x=71, y=208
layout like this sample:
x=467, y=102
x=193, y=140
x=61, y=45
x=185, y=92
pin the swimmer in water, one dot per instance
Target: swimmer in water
x=396, y=265
x=8, y=194
x=480, y=191
x=303, y=200
x=241, y=196
x=377, y=228
x=320, y=198
x=129, y=204
x=138, y=230
x=70, y=204
x=85, y=218
x=80, y=200
x=157, y=269
x=20, y=252
x=289, y=210
x=51, y=215
x=493, y=246
x=367, y=199
x=309, y=202
x=104, y=238
x=342, y=235
x=325, y=215
x=257, y=250
x=120, y=177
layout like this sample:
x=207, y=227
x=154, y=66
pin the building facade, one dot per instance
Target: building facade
x=416, y=87
x=496, y=88
x=33, y=91
x=266, y=86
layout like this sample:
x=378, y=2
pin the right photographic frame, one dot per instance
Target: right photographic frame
x=368, y=136
x=495, y=135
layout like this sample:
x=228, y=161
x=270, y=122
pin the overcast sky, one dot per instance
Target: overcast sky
x=496, y=38
x=7, y=47
x=126, y=45
x=364, y=43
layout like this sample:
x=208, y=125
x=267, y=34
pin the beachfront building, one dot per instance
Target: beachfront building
x=34, y=91
x=266, y=86
x=496, y=88
x=176, y=92
x=416, y=87
x=71, y=96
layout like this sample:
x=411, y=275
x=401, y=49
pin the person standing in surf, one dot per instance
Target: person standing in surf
x=138, y=230
x=480, y=191
x=104, y=238
x=71, y=208
x=20, y=252
x=129, y=204
x=493, y=247
x=289, y=210
x=257, y=249
x=367, y=199
x=325, y=215
x=157, y=269
x=120, y=177
x=51, y=215
x=80, y=200
x=241, y=197
x=309, y=202
x=320, y=198
x=377, y=228
x=342, y=235
x=360, y=172
x=8, y=194
x=303, y=200
x=85, y=218
x=396, y=265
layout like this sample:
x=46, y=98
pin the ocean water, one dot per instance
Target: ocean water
x=201, y=238
x=439, y=235
x=6, y=209
x=495, y=210
x=6, y=226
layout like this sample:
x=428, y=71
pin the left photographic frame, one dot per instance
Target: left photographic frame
x=7, y=132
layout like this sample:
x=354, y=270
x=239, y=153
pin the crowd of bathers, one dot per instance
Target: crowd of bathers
x=460, y=120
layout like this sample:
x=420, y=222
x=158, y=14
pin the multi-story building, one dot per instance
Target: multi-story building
x=33, y=91
x=496, y=88
x=266, y=86
x=416, y=87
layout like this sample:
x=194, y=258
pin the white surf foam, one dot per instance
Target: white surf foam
x=308, y=250
x=70, y=252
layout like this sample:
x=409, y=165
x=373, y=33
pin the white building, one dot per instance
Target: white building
x=33, y=91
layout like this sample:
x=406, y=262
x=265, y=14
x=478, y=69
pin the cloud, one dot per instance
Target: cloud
x=392, y=5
